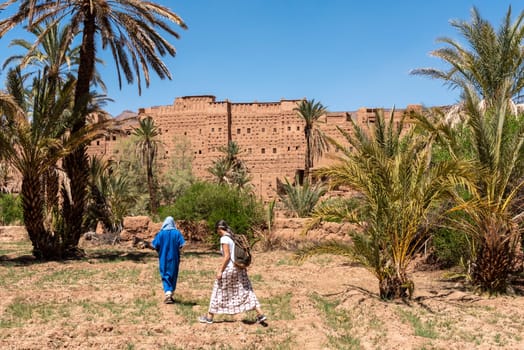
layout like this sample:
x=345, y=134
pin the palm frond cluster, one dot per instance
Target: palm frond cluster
x=44, y=123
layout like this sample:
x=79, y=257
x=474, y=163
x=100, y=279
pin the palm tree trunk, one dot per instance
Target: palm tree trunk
x=51, y=189
x=495, y=260
x=307, y=157
x=152, y=192
x=76, y=164
x=395, y=287
x=45, y=246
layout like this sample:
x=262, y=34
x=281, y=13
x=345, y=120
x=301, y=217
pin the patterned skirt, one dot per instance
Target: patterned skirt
x=233, y=293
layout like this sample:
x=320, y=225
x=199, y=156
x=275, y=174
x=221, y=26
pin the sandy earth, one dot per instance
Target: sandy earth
x=113, y=300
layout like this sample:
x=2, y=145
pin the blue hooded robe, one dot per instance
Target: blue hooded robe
x=168, y=242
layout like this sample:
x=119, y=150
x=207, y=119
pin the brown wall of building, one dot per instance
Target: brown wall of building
x=270, y=135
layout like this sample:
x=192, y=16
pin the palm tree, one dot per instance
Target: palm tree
x=147, y=148
x=390, y=169
x=128, y=29
x=55, y=60
x=493, y=219
x=230, y=169
x=316, y=142
x=490, y=75
x=301, y=199
x=111, y=195
x=491, y=65
x=52, y=54
x=29, y=142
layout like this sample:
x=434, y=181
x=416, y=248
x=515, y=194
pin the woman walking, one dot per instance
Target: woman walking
x=168, y=242
x=232, y=290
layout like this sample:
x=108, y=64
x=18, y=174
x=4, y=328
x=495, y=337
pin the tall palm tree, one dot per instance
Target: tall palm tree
x=129, y=30
x=390, y=169
x=55, y=60
x=29, y=141
x=490, y=74
x=52, y=54
x=492, y=63
x=493, y=217
x=316, y=142
x=147, y=148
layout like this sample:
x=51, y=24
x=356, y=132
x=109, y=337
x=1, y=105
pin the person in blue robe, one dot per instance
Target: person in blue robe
x=168, y=242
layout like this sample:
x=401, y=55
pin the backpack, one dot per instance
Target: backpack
x=243, y=256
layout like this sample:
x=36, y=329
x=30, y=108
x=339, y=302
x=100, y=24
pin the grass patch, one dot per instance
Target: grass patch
x=19, y=311
x=288, y=262
x=339, y=321
x=255, y=278
x=12, y=275
x=421, y=328
x=67, y=276
x=279, y=307
x=186, y=307
x=197, y=279
x=16, y=248
x=122, y=275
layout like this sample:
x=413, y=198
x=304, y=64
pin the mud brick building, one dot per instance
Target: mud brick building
x=270, y=135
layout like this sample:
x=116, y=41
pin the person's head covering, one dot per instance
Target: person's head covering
x=222, y=224
x=169, y=224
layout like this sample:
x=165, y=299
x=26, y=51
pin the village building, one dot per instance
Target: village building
x=270, y=135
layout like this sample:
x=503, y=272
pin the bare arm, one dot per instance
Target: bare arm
x=225, y=260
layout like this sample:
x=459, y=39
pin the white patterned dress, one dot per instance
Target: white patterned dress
x=232, y=293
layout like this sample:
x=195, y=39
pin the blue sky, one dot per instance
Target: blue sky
x=344, y=53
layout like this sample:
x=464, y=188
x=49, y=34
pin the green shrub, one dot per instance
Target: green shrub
x=212, y=202
x=450, y=247
x=10, y=209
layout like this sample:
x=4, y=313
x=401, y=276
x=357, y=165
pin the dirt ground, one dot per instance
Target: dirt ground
x=112, y=299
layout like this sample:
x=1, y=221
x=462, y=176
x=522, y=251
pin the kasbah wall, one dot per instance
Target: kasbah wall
x=270, y=135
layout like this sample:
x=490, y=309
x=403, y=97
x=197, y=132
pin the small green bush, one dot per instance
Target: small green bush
x=450, y=247
x=212, y=202
x=10, y=209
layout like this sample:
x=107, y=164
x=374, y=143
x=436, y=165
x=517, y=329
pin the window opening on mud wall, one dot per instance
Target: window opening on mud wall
x=348, y=117
x=263, y=150
x=298, y=128
x=212, y=129
x=98, y=143
x=238, y=131
x=274, y=150
x=114, y=138
x=274, y=129
x=288, y=128
x=248, y=130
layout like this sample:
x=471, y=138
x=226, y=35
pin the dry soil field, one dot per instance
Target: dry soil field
x=112, y=299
